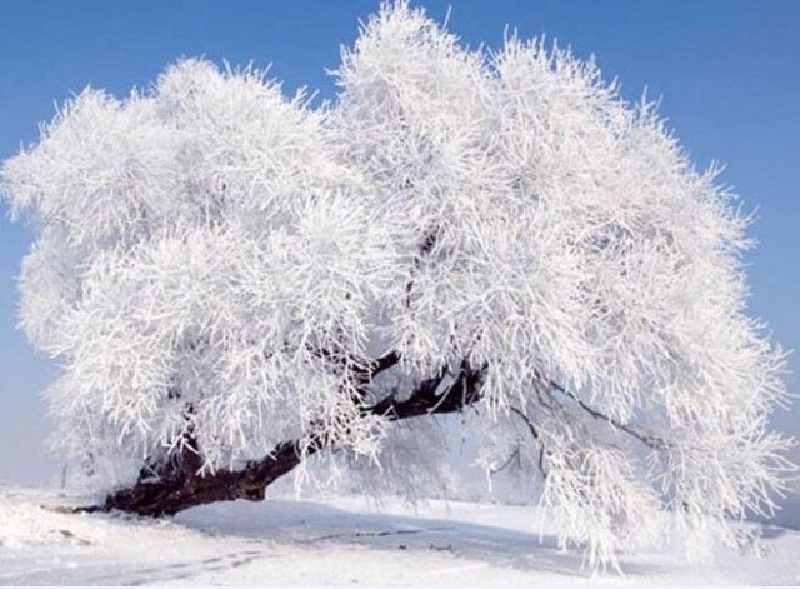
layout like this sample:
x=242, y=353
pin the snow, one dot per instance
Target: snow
x=338, y=540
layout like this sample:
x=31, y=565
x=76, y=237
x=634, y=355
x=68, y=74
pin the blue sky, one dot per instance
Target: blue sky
x=726, y=71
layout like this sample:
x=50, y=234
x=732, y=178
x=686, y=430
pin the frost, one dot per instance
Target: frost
x=219, y=261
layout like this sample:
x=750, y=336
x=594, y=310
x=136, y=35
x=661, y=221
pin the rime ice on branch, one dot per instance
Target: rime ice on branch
x=232, y=279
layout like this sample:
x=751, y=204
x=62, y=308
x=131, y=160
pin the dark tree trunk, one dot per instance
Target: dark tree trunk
x=182, y=488
x=169, y=495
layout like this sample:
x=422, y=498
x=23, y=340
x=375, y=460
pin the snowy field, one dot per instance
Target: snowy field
x=337, y=541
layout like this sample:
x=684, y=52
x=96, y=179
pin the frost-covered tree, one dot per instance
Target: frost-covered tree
x=234, y=280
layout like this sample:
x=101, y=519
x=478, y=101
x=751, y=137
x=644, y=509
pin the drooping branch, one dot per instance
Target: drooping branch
x=651, y=441
x=535, y=433
x=171, y=495
x=528, y=422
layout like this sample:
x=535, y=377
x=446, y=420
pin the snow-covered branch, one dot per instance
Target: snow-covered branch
x=180, y=487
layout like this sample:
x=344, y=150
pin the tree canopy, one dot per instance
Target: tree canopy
x=232, y=277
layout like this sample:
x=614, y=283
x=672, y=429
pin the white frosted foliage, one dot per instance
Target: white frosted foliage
x=215, y=258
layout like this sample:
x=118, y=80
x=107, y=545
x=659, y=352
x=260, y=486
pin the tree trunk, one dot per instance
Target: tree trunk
x=183, y=487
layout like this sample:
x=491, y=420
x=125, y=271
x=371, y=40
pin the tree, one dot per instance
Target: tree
x=234, y=281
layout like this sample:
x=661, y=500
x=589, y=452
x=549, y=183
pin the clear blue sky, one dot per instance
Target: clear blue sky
x=727, y=71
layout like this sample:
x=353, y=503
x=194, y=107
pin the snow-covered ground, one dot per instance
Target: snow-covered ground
x=336, y=541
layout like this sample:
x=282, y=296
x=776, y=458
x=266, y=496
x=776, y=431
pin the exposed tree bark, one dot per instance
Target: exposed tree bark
x=182, y=488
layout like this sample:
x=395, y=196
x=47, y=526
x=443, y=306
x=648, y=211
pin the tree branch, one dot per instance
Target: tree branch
x=650, y=441
x=536, y=436
x=169, y=496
